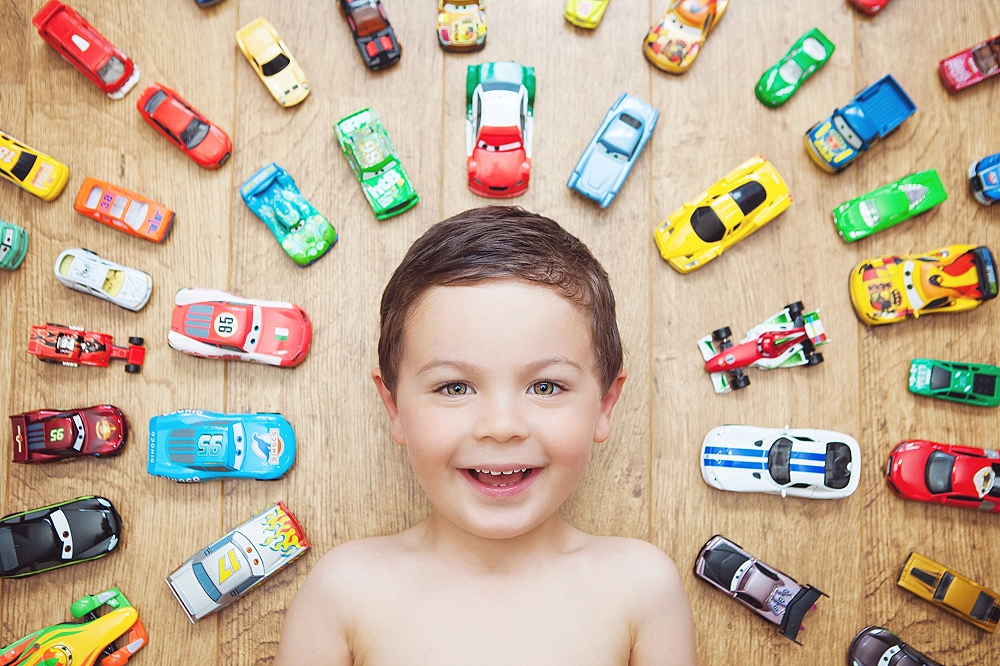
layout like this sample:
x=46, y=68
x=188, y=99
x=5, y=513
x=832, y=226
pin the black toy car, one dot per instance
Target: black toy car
x=876, y=646
x=374, y=36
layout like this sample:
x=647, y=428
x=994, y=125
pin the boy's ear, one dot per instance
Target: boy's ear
x=390, y=407
x=603, y=428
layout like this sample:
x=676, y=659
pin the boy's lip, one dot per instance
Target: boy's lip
x=504, y=491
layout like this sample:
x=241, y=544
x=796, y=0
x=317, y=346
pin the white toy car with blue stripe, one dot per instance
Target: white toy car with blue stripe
x=820, y=464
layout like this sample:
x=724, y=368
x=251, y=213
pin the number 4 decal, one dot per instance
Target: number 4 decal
x=228, y=567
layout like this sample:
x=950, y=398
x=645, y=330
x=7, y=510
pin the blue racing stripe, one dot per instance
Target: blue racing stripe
x=740, y=464
x=815, y=457
x=812, y=469
x=726, y=451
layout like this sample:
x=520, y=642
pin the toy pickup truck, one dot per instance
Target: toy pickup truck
x=852, y=129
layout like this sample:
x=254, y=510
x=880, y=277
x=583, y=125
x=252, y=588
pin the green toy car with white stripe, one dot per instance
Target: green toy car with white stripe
x=807, y=55
x=968, y=383
x=13, y=245
x=889, y=205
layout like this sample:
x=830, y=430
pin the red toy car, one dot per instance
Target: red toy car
x=971, y=65
x=74, y=346
x=46, y=434
x=184, y=126
x=870, y=6
x=86, y=49
x=945, y=473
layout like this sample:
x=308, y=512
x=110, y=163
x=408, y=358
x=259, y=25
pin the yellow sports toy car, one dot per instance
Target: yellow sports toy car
x=674, y=42
x=272, y=61
x=946, y=588
x=461, y=25
x=34, y=171
x=732, y=209
x=585, y=13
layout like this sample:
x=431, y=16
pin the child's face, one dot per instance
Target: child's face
x=498, y=377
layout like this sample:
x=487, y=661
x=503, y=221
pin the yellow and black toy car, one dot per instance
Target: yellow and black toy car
x=951, y=591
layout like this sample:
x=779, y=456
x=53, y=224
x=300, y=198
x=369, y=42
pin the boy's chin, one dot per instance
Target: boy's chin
x=498, y=527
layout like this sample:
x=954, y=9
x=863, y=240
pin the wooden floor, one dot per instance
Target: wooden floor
x=350, y=480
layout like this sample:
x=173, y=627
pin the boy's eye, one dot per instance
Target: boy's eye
x=456, y=388
x=545, y=388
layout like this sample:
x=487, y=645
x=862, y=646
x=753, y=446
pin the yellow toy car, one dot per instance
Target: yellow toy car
x=461, y=25
x=585, y=13
x=43, y=176
x=951, y=591
x=674, y=41
x=889, y=289
x=732, y=209
x=272, y=61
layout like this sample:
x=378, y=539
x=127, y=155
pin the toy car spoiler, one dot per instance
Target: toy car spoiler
x=19, y=431
x=800, y=604
x=987, y=269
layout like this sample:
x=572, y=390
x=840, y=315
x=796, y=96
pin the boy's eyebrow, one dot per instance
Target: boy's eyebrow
x=470, y=368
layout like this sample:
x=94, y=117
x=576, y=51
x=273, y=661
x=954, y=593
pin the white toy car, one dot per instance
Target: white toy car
x=82, y=270
x=802, y=462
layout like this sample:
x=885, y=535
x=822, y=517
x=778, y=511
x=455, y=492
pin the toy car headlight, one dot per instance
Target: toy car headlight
x=691, y=264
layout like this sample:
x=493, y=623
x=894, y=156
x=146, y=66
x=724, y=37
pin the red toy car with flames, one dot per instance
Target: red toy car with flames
x=971, y=66
x=950, y=474
x=74, y=346
x=184, y=126
x=46, y=435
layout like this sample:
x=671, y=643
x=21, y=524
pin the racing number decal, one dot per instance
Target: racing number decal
x=225, y=324
x=228, y=566
x=57, y=434
x=7, y=155
x=210, y=445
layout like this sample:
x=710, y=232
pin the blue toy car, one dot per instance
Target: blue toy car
x=193, y=445
x=609, y=157
x=304, y=234
x=984, y=179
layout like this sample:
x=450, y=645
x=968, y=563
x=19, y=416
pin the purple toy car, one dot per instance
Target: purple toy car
x=876, y=646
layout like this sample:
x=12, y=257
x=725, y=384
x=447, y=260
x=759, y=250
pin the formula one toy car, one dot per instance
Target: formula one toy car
x=46, y=435
x=969, y=383
x=73, y=346
x=676, y=39
x=13, y=245
x=123, y=210
x=984, y=179
x=374, y=37
x=963, y=476
x=585, y=13
x=971, y=66
x=82, y=270
x=200, y=446
x=785, y=340
x=782, y=80
x=31, y=170
x=805, y=462
x=773, y=595
x=83, y=643
x=951, y=591
x=184, y=126
x=889, y=205
x=218, y=575
x=461, y=25
x=273, y=62
x=876, y=646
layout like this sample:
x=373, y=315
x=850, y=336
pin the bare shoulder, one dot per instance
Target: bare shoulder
x=640, y=565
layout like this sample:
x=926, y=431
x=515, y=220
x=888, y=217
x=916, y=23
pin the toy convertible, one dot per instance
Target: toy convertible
x=273, y=62
x=73, y=346
x=810, y=52
x=461, y=25
x=676, y=39
x=785, y=340
x=876, y=646
x=218, y=575
x=184, y=126
x=46, y=435
x=951, y=591
x=82, y=270
x=123, y=210
x=969, y=383
x=984, y=179
x=31, y=170
x=889, y=205
x=974, y=64
x=963, y=476
x=13, y=245
x=374, y=37
x=585, y=13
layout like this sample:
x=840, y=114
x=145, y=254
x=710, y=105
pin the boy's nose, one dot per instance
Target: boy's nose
x=500, y=420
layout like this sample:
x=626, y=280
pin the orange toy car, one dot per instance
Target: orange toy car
x=124, y=210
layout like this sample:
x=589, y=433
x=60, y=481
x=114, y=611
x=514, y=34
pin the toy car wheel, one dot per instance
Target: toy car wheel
x=136, y=341
x=795, y=309
x=132, y=368
x=741, y=382
x=721, y=334
x=814, y=359
x=48, y=360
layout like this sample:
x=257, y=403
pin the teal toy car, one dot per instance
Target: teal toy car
x=13, y=245
x=366, y=145
x=304, y=234
x=969, y=383
x=889, y=205
x=807, y=55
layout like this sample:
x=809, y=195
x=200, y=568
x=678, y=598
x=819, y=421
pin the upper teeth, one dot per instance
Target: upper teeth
x=486, y=471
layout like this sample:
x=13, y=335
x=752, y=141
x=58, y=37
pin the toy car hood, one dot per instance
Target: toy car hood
x=13, y=245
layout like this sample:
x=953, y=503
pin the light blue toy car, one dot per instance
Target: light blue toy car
x=13, y=245
x=609, y=157
x=984, y=179
x=193, y=445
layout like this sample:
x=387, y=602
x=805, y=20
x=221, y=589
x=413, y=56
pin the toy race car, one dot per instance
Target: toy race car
x=963, y=476
x=82, y=46
x=273, y=62
x=83, y=643
x=123, y=210
x=741, y=203
x=675, y=40
x=889, y=205
x=969, y=383
x=782, y=80
x=968, y=67
x=200, y=446
x=184, y=126
x=218, y=575
x=216, y=324
x=951, y=591
x=608, y=158
x=461, y=25
x=984, y=179
x=499, y=126
x=890, y=289
x=872, y=644
x=57, y=535
x=375, y=38
x=870, y=6
x=785, y=340
x=585, y=13
x=82, y=270
x=773, y=595
x=375, y=163
x=46, y=435
x=31, y=170
x=73, y=346
x=805, y=462
x=13, y=245
x=303, y=233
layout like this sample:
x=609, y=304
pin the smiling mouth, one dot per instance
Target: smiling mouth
x=500, y=479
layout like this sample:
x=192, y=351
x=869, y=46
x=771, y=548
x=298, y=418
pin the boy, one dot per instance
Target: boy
x=499, y=366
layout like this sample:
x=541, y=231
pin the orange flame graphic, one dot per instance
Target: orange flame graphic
x=284, y=538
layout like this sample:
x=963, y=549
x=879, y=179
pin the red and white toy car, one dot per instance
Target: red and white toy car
x=870, y=6
x=184, y=126
x=46, y=435
x=74, y=346
x=971, y=66
x=950, y=474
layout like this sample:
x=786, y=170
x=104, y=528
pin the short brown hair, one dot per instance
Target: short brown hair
x=497, y=243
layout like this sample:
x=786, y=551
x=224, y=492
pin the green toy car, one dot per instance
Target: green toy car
x=366, y=145
x=969, y=383
x=13, y=245
x=889, y=205
x=807, y=55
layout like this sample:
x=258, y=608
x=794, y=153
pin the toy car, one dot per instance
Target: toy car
x=200, y=446
x=205, y=4
x=608, y=158
x=274, y=64
x=675, y=40
x=805, y=462
x=741, y=203
x=963, y=476
x=216, y=324
x=461, y=25
x=13, y=245
x=375, y=38
x=82, y=270
x=773, y=595
x=57, y=535
x=83, y=643
x=585, y=13
x=785, y=340
x=302, y=232
x=971, y=66
x=781, y=81
x=82, y=46
x=969, y=383
x=124, y=210
x=890, y=289
x=876, y=646
x=184, y=126
x=870, y=6
x=889, y=205
x=73, y=346
x=499, y=126
x=376, y=165
x=984, y=179
x=47, y=435
x=951, y=591
x=30, y=169
x=218, y=575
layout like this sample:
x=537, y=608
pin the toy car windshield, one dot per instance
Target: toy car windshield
x=194, y=133
x=622, y=136
x=368, y=20
x=274, y=66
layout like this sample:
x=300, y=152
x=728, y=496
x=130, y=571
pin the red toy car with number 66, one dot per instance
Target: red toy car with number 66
x=74, y=346
x=46, y=435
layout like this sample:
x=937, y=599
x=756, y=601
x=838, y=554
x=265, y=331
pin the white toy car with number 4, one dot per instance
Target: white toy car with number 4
x=82, y=270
